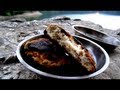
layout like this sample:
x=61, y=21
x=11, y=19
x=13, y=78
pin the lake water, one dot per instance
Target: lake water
x=107, y=19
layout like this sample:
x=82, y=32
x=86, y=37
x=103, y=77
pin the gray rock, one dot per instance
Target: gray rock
x=17, y=71
x=1, y=41
x=61, y=18
x=12, y=32
x=20, y=20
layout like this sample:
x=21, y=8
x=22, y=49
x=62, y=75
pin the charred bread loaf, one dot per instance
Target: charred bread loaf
x=77, y=51
x=45, y=52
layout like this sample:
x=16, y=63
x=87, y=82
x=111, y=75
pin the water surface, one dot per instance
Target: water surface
x=107, y=19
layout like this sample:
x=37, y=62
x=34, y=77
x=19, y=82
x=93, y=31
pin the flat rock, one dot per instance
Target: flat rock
x=12, y=32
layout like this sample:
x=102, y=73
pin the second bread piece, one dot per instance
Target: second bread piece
x=65, y=40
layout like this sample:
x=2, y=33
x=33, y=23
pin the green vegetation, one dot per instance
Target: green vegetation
x=10, y=12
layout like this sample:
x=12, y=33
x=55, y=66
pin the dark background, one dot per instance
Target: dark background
x=59, y=5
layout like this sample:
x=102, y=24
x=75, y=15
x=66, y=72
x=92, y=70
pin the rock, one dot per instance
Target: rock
x=14, y=31
x=61, y=18
x=17, y=71
x=77, y=19
x=118, y=33
x=1, y=41
x=26, y=15
x=18, y=20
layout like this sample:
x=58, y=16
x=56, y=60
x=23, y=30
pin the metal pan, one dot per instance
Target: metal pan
x=101, y=58
x=106, y=41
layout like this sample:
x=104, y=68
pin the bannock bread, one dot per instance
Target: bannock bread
x=77, y=51
x=45, y=52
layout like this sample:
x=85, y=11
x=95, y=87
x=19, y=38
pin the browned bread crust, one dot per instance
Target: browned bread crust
x=78, y=51
x=45, y=53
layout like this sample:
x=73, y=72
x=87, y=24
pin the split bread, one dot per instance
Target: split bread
x=77, y=51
